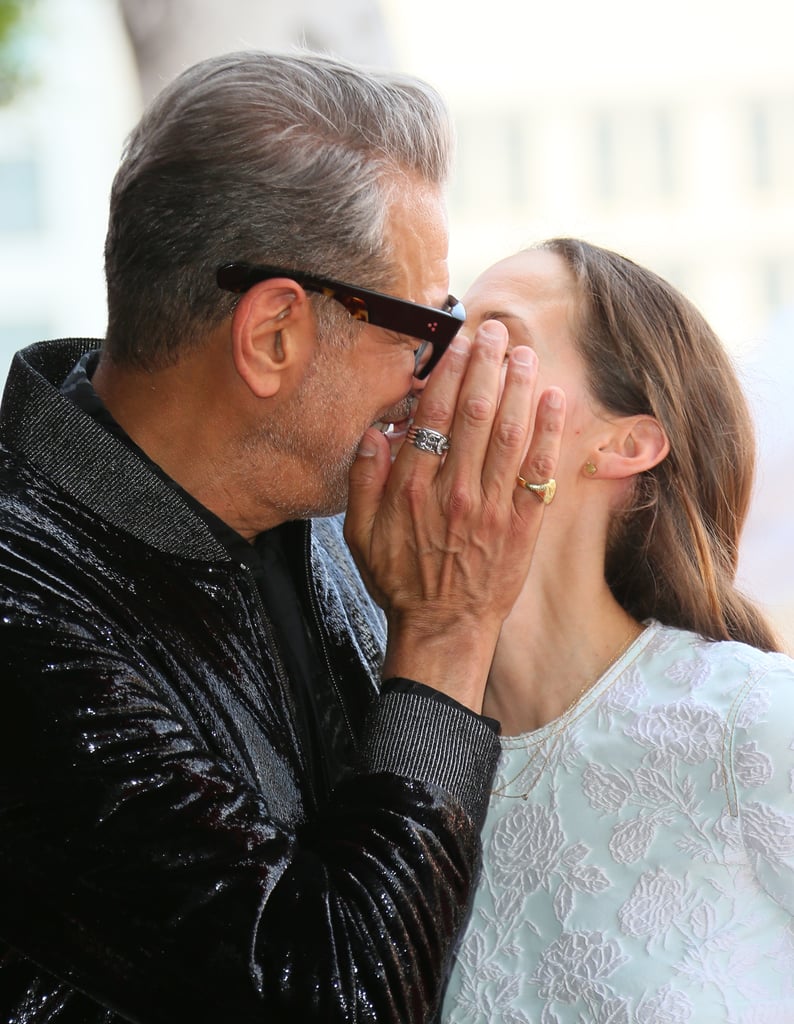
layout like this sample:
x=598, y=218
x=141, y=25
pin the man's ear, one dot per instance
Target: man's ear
x=272, y=335
x=637, y=443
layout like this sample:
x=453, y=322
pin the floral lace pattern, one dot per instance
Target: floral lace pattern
x=648, y=876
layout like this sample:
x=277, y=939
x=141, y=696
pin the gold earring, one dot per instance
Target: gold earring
x=590, y=468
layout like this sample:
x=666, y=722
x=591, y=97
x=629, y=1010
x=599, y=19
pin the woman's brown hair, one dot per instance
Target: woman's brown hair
x=673, y=553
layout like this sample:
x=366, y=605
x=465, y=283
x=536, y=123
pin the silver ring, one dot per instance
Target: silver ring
x=427, y=440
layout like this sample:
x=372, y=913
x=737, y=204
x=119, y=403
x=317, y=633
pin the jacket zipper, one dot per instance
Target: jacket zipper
x=283, y=676
x=269, y=631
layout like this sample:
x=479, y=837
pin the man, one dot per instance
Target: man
x=209, y=807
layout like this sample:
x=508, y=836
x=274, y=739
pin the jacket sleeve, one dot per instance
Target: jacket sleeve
x=137, y=864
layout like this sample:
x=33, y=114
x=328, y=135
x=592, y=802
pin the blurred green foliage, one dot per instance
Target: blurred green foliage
x=13, y=73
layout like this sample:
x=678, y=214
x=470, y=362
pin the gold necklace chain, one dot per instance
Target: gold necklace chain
x=565, y=720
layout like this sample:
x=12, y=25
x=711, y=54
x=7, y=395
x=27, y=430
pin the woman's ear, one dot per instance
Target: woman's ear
x=272, y=334
x=637, y=443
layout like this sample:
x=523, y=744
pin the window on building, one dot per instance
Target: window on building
x=770, y=124
x=20, y=196
x=492, y=170
x=634, y=154
x=777, y=283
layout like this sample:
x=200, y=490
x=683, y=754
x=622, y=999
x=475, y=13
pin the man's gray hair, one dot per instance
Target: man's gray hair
x=264, y=157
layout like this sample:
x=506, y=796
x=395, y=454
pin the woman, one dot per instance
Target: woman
x=639, y=847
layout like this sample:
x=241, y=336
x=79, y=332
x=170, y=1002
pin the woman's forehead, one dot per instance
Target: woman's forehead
x=529, y=276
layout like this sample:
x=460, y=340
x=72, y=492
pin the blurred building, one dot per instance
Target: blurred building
x=667, y=136
x=170, y=35
x=60, y=141
x=766, y=568
x=698, y=185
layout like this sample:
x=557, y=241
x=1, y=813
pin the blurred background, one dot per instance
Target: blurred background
x=663, y=131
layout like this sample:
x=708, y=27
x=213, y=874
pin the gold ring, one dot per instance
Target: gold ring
x=543, y=492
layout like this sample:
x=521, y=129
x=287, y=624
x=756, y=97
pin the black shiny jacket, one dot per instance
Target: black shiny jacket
x=166, y=854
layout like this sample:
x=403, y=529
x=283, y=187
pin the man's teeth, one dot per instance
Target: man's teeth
x=384, y=426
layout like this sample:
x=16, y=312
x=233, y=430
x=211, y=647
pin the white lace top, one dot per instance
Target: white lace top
x=648, y=876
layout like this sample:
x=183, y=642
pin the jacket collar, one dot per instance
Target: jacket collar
x=91, y=465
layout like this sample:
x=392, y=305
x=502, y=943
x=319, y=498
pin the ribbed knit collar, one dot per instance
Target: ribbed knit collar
x=95, y=468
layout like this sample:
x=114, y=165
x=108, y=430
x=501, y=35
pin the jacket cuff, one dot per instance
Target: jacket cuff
x=413, y=734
